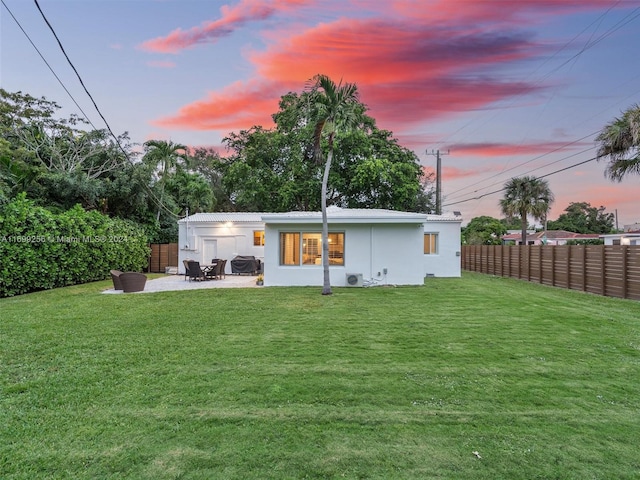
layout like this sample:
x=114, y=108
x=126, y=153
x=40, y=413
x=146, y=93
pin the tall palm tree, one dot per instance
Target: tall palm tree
x=526, y=196
x=333, y=107
x=620, y=142
x=166, y=155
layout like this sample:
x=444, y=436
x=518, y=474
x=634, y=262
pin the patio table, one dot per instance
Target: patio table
x=208, y=268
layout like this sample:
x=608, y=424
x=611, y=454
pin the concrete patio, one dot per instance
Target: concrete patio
x=178, y=282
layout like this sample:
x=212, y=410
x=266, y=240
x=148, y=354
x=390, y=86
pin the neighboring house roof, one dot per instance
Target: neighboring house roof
x=352, y=215
x=553, y=235
x=622, y=235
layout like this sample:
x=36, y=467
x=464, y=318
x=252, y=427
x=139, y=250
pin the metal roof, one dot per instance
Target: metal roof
x=223, y=217
x=355, y=215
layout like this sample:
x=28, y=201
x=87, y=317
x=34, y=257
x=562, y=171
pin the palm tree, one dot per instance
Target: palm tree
x=333, y=107
x=166, y=154
x=620, y=142
x=526, y=196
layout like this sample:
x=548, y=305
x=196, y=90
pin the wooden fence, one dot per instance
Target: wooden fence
x=609, y=270
x=162, y=255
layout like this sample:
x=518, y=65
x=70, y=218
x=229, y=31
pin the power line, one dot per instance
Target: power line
x=537, y=178
x=47, y=63
x=526, y=162
x=55, y=35
x=158, y=202
x=588, y=45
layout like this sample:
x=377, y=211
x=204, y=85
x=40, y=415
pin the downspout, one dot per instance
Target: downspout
x=371, y=252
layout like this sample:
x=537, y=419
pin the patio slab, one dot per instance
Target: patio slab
x=177, y=282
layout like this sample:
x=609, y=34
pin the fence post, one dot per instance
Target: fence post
x=625, y=272
x=584, y=268
x=540, y=273
x=603, y=271
x=569, y=249
x=553, y=266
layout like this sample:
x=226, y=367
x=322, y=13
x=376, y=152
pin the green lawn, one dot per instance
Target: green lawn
x=284, y=383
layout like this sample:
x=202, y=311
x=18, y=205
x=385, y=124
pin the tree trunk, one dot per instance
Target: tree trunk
x=523, y=216
x=326, y=286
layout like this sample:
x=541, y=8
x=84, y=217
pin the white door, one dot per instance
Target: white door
x=209, y=250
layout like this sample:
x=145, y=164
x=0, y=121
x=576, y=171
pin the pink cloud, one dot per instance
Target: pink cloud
x=456, y=173
x=493, y=12
x=240, y=105
x=415, y=62
x=231, y=18
x=506, y=149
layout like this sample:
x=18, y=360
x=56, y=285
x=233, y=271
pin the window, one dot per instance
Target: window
x=430, y=243
x=290, y=248
x=336, y=248
x=309, y=251
x=258, y=238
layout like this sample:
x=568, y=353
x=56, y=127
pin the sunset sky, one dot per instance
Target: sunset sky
x=507, y=87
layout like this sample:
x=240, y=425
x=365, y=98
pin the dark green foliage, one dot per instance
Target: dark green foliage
x=581, y=217
x=483, y=231
x=619, y=142
x=42, y=250
x=588, y=241
x=275, y=170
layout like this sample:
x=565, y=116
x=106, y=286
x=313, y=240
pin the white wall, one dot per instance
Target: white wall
x=445, y=263
x=369, y=249
x=208, y=240
x=624, y=239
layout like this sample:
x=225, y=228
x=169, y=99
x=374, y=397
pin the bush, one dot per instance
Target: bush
x=42, y=250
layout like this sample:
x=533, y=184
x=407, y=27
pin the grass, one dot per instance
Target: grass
x=283, y=383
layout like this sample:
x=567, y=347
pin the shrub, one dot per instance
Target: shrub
x=42, y=250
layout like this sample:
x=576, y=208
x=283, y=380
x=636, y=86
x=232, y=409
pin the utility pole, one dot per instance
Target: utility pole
x=437, y=154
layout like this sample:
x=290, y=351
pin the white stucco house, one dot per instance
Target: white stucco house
x=367, y=246
x=626, y=238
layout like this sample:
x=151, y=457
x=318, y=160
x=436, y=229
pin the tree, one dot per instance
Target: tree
x=483, y=231
x=526, y=196
x=37, y=149
x=333, y=107
x=273, y=170
x=268, y=171
x=165, y=156
x=620, y=143
x=581, y=217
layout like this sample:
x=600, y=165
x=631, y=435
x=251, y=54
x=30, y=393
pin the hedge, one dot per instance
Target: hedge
x=41, y=250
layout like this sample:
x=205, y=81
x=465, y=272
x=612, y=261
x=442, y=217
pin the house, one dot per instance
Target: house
x=548, y=237
x=205, y=236
x=367, y=246
x=626, y=238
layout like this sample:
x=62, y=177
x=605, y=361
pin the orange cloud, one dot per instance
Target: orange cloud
x=231, y=18
x=240, y=105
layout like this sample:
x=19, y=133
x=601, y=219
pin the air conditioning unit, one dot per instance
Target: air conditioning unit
x=354, y=280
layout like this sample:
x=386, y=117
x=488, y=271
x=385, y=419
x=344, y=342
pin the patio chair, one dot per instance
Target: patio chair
x=218, y=271
x=115, y=276
x=186, y=268
x=195, y=272
x=222, y=268
x=132, y=281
